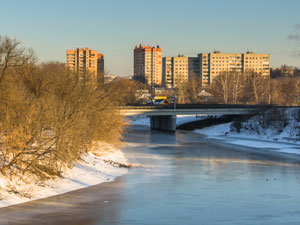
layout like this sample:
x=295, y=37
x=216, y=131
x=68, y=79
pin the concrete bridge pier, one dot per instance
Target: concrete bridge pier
x=167, y=123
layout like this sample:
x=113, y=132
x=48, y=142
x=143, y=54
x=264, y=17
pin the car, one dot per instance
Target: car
x=161, y=102
x=149, y=102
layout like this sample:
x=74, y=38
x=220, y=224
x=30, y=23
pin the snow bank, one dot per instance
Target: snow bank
x=222, y=132
x=281, y=135
x=276, y=124
x=91, y=170
x=217, y=131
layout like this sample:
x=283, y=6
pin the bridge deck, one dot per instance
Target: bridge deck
x=205, y=109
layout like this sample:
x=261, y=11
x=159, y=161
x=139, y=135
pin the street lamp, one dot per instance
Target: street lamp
x=173, y=100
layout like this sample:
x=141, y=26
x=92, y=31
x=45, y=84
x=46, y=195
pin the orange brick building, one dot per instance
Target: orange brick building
x=147, y=64
x=85, y=61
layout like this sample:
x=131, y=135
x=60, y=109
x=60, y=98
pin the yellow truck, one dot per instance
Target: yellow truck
x=161, y=100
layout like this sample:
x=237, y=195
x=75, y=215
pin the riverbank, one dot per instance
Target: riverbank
x=93, y=168
x=276, y=129
x=224, y=132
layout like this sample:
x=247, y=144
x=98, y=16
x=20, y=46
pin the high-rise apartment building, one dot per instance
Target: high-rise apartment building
x=85, y=61
x=212, y=64
x=175, y=71
x=147, y=64
x=209, y=65
x=259, y=63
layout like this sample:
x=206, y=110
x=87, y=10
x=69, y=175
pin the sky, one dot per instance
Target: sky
x=189, y=27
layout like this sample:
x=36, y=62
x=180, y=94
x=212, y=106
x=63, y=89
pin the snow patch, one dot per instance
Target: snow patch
x=282, y=136
x=140, y=120
x=92, y=169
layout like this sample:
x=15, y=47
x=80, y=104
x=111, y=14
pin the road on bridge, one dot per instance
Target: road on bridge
x=192, y=109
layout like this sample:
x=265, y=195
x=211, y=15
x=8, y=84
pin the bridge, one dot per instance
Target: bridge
x=163, y=117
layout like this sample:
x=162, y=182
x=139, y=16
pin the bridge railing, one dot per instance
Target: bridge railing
x=196, y=106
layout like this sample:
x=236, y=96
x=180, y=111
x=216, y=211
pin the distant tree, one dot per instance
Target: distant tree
x=297, y=72
x=275, y=73
x=283, y=71
x=254, y=88
x=237, y=85
x=227, y=86
x=13, y=55
x=258, y=87
x=187, y=91
x=125, y=90
x=285, y=91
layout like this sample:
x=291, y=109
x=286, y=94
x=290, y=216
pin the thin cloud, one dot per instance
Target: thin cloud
x=296, y=54
x=294, y=37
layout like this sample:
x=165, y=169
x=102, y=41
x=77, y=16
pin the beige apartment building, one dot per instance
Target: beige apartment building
x=259, y=63
x=175, y=71
x=86, y=61
x=147, y=65
x=209, y=65
x=212, y=64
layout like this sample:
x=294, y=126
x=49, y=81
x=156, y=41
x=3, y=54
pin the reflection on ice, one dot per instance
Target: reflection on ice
x=214, y=160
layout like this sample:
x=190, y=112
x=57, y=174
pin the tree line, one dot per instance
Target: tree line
x=231, y=87
x=254, y=88
x=241, y=88
x=49, y=117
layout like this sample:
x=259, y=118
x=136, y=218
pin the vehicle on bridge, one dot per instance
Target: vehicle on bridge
x=161, y=100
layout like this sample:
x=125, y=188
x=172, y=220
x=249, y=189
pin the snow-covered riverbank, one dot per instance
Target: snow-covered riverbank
x=277, y=129
x=223, y=132
x=91, y=170
x=251, y=133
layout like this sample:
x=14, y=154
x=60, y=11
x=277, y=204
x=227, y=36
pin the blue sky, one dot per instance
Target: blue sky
x=188, y=27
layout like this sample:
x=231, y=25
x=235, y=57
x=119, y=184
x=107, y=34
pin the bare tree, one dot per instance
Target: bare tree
x=12, y=55
x=285, y=91
x=125, y=90
x=259, y=86
x=49, y=118
x=236, y=80
x=187, y=91
x=221, y=87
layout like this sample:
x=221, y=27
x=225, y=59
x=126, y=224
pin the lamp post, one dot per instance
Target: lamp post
x=173, y=100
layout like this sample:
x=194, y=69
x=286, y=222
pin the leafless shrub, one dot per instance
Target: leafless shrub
x=49, y=117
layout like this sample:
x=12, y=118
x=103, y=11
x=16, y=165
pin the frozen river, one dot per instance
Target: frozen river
x=183, y=178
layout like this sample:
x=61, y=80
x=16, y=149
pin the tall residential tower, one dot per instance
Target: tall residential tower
x=85, y=61
x=147, y=65
x=175, y=71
